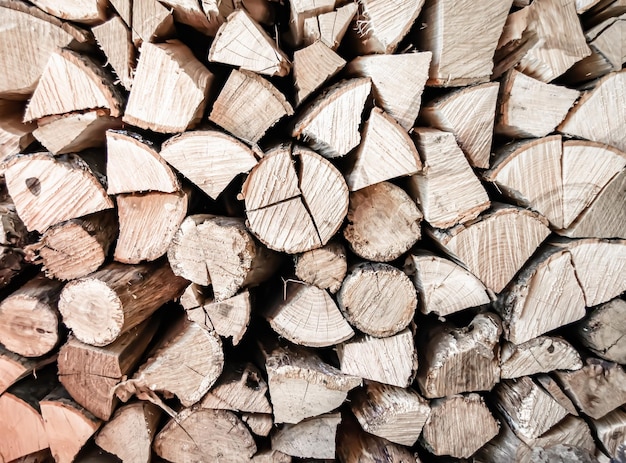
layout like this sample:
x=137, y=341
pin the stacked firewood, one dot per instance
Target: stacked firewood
x=265, y=230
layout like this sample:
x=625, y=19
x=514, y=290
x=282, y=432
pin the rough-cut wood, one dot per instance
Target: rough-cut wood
x=339, y=106
x=463, y=39
x=169, y=90
x=514, y=43
x=329, y=28
x=115, y=39
x=390, y=412
x=447, y=189
x=149, y=20
x=542, y=354
x=391, y=360
x=443, y=286
x=312, y=67
x=211, y=159
x=457, y=360
x=261, y=424
x=383, y=222
x=602, y=10
x=15, y=135
x=48, y=190
x=325, y=267
x=241, y=42
x=148, y=223
x=468, y=113
x=311, y=438
x=248, y=105
x=271, y=456
x=130, y=432
x=603, y=331
x=124, y=9
x=29, y=319
x=190, y=12
x=82, y=11
x=611, y=432
x=550, y=385
x=571, y=431
x=100, y=307
x=14, y=367
x=458, y=426
x=300, y=10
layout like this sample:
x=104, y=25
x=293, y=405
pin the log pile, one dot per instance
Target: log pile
x=273, y=231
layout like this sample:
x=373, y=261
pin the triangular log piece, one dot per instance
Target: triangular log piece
x=542, y=354
x=506, y=446
x=514, y=43
x=383, y=222
x=391, y=360
x=114, y=38
x=248, y=105
x=325, y=267
x=386, y=152
x=14, y=367
x=468, y=113
x=150, y=21
x=329, y=28
x=124, y=9
x=15, y=135
x=461, y=55
x=100, y=307
x=549, y=384
x=312, y=67
x=170, y=88
x=191, y=13
x=261, y=424
x=377, y=299
x=300, y=10
x=81, y=11
x=311, y=438
x=611, y=432
x=339, y=106
x=603, y=331
x=390, y=412
x=241, y=42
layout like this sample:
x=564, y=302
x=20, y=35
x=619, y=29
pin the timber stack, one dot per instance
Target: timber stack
x=296, y=230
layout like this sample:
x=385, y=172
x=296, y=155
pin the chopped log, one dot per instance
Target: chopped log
x=391, y=360
x=186, y=363
x=571, y=431
x=90, y=373
x=551, y=387
x=312, y=67
x=100, y=307
x=271, y=456
x=311, y=438
x=340, y=105
x=261, y=424
x=458, y=426
x=443, y=286
x=300, y=10
x=87, y=12
x=329, y=28
x=611, y=431
x=150, y=21
x=602, y=10
x=521, y=232
x=308, y=316
x=124, y=9
x=248, y=105
x=114, y=38
x=205, y=435
x=325, y=267
x=506, y=446
x=582, y=6
x=301, y=385
x=465, y=359
x=598, y=388
x=397, y=82
x=148, y=223
x=14, y=367
x=603, y=331
x=15, y=135
x=184, y=84
x=192, y=14
x=542, y=354
x=447, y=189
x=461, y=55
x=390, y=412
x=130, y=432
x=48, y=190
x=515, y=42
x=29, y=319
x=377, y=299
x=383, y=222
x=240, y=41
x=469, y=113
x=209, y=158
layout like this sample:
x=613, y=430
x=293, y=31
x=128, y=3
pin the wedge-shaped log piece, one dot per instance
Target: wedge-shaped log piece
x=183, y=84
x=447, y=189
x=468, y=113
x=240, y=41
x=14, y=367
x=211, y=159
x=82, y=11
x=386, y=152
x=261, y=424
x=542, y=354
x=458, y=426
x=192, y=13
x=100, y=307
x=300, y=10
x=519, y=234
x=325, y=267
x=340, y=106
x=114, y=38
x=271, y=456
x=15, y=135
x=390, y=412
x=124, y=9
x=48, y=190
x=391, y=360
x=310, y=317
x=149, y=20
x=463, y=359
x=205, y=435
x=549, y=384
x=611, y=431
x=312, y=66
x=443, y=286
x=603, y=331
x=311, y=438
x=383, y=222
x=248, y=105
x=329, y=28
x=599, y=11
x=462, y=55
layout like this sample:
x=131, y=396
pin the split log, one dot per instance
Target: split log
x=469, y=113
x=114, y=38
x=377, y=299
x=271, y=456
x=184, y=81
x=457, y=360
x=515, y=42
x=130, y=432
x=312, y=67
x=447, y=189
x=390, y=412
x=329, y=28
x=192, y=14
x=14, y=367
x=29, y=318
x=391, y=360
x=150, y=21
x=311, y=438
x=124, y=9
x=383, y=222
x=261, y=424
x=87, y=12
x=542, y=354
x=443, y=286
x=550, y=385
x=15, y=135
x=458, y=426
x=325, y=267
x=603, y=331
x=386, y=152
x=100, y=307
x=611, y=431
x=300, y=10
x=570, y=431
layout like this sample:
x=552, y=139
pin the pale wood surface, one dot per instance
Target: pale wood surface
x=149, y=20
x=82, y=11
x=191, y=13
x=271, y=456
x=329, y=28
x=542, y=354
x=312, y=67
x=14, y=367
x=325, y=267
x=311, y=438
x=261, y=424
x=300, y=10
x=549, y=384
x=611, y=431
x=15, y=135
x=114, y=37
x=124, y=9
x=604, y=331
